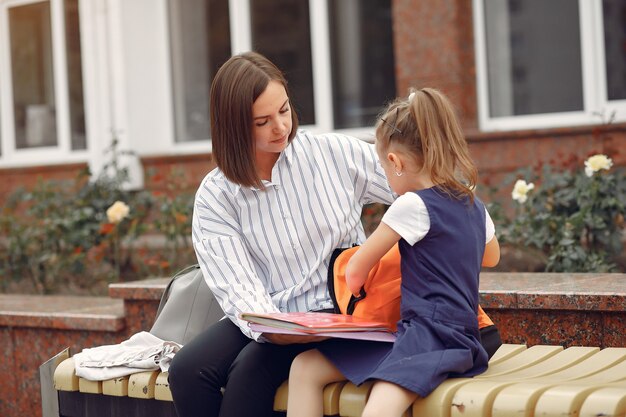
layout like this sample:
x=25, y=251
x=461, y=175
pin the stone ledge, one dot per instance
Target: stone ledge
x=62, y=312
x=554, y=291
x=145, y=289
x=512, y=290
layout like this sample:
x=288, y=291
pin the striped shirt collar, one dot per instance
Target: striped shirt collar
x=285, y=157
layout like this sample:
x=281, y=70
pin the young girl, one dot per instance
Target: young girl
x=444, y=234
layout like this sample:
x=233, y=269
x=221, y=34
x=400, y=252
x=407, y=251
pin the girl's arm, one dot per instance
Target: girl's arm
x=492, y=253
x=364, y=259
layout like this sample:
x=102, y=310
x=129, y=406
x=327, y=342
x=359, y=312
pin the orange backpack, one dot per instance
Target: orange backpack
x=380, y=296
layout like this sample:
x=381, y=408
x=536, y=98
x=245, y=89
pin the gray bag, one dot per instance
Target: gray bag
x=187, y=307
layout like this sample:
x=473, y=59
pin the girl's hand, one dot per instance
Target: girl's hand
x=355, y=275
x=288, y=339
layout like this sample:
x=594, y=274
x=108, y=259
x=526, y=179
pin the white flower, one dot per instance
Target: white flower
x=520, y=190
x=596, y=163
x=117, y=212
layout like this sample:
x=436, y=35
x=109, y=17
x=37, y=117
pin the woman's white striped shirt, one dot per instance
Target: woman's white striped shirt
x=268, y=250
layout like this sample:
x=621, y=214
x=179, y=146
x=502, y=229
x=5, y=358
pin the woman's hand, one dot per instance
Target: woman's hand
x=288, y=339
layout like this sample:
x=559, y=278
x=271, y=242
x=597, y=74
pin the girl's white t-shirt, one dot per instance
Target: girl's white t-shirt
x=408, y=216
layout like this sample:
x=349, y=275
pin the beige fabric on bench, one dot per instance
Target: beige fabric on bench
x=538, y=381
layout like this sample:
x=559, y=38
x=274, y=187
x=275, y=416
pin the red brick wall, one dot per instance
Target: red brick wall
x=157, y=171
x=434, y=47
x=160, y=169
x=12, y=178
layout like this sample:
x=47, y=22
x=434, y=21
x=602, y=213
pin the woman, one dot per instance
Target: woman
x=265, y=223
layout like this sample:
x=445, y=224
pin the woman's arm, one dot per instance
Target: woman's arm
x=374, y=248
x=362, y=165
x=224, y=258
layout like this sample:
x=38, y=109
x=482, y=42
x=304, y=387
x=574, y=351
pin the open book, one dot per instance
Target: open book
x=320, y=324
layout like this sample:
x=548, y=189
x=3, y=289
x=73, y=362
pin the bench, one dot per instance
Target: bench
x=542, y=380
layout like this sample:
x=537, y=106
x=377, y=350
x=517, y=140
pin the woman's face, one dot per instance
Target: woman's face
x=271, y=113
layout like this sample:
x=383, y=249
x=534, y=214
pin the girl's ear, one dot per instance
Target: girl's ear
x=396, y=161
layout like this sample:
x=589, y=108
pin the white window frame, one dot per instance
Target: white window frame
x=49, y=155
x=241, y=41
x=596, y=107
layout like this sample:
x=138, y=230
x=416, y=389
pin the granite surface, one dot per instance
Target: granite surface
x=559, y=291
x=62, y=312
x=35, y=328
x=147, y=289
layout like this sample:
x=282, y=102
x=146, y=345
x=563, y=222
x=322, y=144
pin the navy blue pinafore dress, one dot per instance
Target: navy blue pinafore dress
x=438, y=335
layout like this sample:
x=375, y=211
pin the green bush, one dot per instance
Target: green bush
x=80, y=235
x=569, y=215
x=58, y=237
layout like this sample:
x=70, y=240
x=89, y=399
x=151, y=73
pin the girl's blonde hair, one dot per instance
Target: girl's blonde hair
x=426, y=126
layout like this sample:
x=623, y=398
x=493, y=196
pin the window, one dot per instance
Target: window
x=200, y=38
x=41, y=62
x=281, y=32
x=362, y=60
x=337, y=56
x=614, y=16
x=73, y=54
x=34, y=104
x=542, y=64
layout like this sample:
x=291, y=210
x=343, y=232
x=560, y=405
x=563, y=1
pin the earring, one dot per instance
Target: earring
x=399, y=174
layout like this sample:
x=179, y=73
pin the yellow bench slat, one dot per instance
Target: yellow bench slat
x=117, y=387
x=65, y=378
x=605, y=402
x=353, y=400
x=514, y=399
x=563, y=360
x=89, y=387
x=331, y=395
x=524, y=359
x=475, y=399
x=439, y=402
x=568, y=399
x=505, y=352
x=141, y=385
x=551, y=394
x=162, y=388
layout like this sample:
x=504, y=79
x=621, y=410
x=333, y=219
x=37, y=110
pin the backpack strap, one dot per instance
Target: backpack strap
x=344, y=301
x=331, y=279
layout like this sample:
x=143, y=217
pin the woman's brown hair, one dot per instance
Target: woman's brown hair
x=236, y=86
x=425, y=124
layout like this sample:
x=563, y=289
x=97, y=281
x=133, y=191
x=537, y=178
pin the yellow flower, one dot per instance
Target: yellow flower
x=117, y=212
x=596, y=163
x=520, y=190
